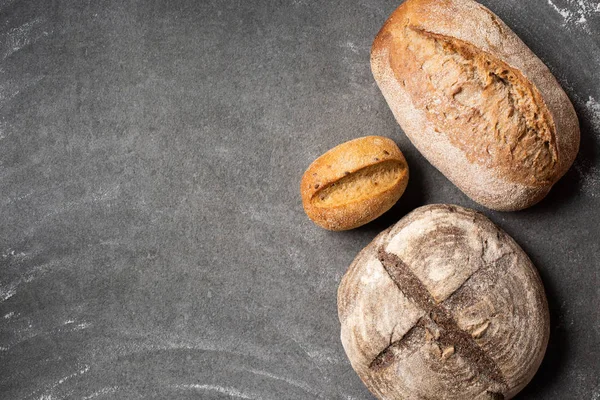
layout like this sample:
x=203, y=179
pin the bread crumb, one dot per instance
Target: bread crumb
x=448, y=352
x=480, y=330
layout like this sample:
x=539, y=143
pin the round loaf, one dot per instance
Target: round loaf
x=443, y=305
x=354, y=183
x=475, y=101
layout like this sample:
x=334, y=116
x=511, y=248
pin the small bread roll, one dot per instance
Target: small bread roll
x=443, y=305
x=475, y=101
x=354, y=183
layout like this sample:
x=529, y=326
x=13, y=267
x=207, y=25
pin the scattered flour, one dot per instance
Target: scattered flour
x=29, y=329
x=576, y=12
x=101, y=392
x=590, y=179
x=322, y=357
x=593, y=110
x=49, y=393
x=74, y=374
x=356, y=48
x=14, y=255
x=352, y=47
x=81, y=326
x=233, y=392
x=299, y=384
x=72, y=326
x=589, y=175
x=566, y=14
x=22, y=36
x=8, y=291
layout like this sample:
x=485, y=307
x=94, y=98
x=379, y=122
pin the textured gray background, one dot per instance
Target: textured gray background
x=152, y=239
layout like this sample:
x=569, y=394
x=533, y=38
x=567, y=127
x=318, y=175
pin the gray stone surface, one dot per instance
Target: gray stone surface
x=152, y=239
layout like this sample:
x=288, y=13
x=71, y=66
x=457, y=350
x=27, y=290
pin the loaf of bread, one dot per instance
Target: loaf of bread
x=475, y=101
x=354, y=183
x=443, y=305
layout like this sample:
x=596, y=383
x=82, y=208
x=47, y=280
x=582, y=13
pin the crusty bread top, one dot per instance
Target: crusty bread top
x=346, y=161
x=354, y=183
x=535, y=156
x=443, y=305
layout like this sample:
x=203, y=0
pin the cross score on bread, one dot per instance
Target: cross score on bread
x=443, y=305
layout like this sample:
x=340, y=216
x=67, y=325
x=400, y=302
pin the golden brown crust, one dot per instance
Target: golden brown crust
x=477, y=103
x=443, y=305
x=486, y=108
x=354, y=183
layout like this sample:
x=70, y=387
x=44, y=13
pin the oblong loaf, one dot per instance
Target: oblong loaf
x=475, y=101
x=443, y=305
x=354, y=183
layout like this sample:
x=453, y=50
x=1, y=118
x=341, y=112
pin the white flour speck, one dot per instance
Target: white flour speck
x=103, y=391
x=6, y=292
x=76, y=327
x=233, y=392
x=566, y=14
x=49, y=393
x=9, y=290
x=84, y=325
x=302, y=385
x=593, y=111
x=14, y=255
x=575, y=12
x=352, y=47
x=589, y=177
x=591, y=182
x=322, y=357
x=22, y=36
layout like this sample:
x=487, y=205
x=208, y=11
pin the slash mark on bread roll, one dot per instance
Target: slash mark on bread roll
x=365, y=182
x=354, y=183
